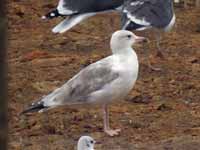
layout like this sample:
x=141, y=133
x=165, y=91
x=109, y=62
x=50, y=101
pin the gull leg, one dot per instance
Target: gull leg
x=152, y=67
x=148, y=60
x=158, y=40
x=107, y=129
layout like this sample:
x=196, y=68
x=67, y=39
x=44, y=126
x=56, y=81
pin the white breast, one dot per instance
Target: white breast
x=128, y=69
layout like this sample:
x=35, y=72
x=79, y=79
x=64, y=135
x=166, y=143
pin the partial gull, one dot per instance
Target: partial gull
x=144, y=14
x=85, y=143
x=102, y=82
x=76, y=11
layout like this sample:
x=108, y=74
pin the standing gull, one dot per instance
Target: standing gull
x=145, y=14
x=85, y=143
x=76, y=11
x=102, y=82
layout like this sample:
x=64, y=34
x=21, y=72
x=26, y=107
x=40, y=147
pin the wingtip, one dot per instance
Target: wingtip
x=43, y=17
x=57, y=31
x=51, y=15
x=35, y=107
x=54, y=31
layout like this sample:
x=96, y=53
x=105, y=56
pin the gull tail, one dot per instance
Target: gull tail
x=52, y=14
x=70, y=22
x=35, y=107
x=128, y=24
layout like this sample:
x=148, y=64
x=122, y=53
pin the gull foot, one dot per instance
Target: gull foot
x=160, y=55
x=152, y=68
x=155, y=68
x=111, y=132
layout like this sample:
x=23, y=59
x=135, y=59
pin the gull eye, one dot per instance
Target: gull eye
x=129, y=36
x=92, y=142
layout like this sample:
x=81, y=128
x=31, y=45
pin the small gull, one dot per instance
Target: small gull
x=79, y=10
x=145, y=14
x=102, y=82
x=85, y=143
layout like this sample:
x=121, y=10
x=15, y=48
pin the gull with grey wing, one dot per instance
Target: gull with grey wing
x=102, y=82
x=76, y=11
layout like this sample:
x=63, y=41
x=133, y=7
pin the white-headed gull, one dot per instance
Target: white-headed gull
x=102, y=82
x=85, y=143
x=78, y=10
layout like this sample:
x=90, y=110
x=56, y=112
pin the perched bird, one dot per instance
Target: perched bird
x=145, y=14
x=102, y=82
x=78, y=10
x=86, y=143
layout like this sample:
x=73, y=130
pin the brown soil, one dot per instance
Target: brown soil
x=161, y=113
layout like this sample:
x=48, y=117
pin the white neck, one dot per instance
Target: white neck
x=128, y=51
x=127, y=56
x=82, y=146
x=121, y=50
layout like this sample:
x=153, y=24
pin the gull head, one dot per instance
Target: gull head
x=124, y=39
x=86, y=143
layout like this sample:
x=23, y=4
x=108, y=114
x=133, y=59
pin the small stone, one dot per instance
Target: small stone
x=164, y=107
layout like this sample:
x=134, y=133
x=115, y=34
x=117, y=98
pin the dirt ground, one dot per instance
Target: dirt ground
x=162, y=112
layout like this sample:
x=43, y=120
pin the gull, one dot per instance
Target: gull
x=85, y=143
x=145, y=14
x=102, y=82
x=76, y=11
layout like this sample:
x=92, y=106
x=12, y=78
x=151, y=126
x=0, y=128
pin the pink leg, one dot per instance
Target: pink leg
x=158, y=40
x=106, y=123
x=148, y=61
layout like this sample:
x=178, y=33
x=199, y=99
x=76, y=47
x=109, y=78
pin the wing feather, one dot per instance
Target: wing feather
x=157, y=13
x=89, y=80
